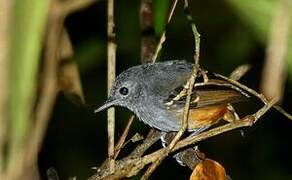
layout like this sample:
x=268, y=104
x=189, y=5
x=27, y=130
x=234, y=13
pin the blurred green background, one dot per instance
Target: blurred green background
x=233, y=32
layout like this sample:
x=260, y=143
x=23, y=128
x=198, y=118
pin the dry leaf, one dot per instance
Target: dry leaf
x=208, y=169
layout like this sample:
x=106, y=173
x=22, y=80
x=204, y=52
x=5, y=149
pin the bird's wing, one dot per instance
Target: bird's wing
x=213, y=92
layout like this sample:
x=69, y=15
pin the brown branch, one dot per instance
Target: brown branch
x=132, y=165
x=248, y=120
x=111, y=65
x=244, y=87
x=146, y=46
x=190, y=85
x=253, y=92
x=282, y=111
x=189, y=88
x=181, y=131
x=103, y=171
x=151, y=138
x=123, y=137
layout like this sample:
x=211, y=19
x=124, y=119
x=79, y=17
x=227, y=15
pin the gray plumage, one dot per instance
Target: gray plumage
x=144, y=90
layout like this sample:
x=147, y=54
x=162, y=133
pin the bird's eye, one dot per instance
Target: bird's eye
x=124, y=91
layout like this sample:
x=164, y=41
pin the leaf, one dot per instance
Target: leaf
x=160, y=14
x=28, y=23
x=208, y=169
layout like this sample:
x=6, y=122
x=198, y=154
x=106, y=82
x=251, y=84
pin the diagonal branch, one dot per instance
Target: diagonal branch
x=123, y=137
x=131, y=165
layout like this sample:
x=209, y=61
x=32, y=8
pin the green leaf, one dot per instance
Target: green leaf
x=160, y=15
x=27, y=28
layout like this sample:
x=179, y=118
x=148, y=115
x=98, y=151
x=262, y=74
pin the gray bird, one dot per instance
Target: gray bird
x=156, y=94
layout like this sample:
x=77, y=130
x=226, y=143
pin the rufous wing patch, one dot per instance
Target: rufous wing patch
x=205, y=116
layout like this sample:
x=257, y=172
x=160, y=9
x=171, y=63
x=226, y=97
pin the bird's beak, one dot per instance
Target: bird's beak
x=109, y=102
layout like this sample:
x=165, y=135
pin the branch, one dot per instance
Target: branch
x=131, y=165
x=189, y=89
x=248, y=120
x=111, y=64
x=282, y=111
x=253, y=92
x=123, y=137
x=103, y=171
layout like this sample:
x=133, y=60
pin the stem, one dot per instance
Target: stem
x=111, y=64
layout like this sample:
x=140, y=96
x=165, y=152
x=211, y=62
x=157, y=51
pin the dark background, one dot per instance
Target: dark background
x=76, y=139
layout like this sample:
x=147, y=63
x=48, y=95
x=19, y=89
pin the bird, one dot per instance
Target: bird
x=156, y=93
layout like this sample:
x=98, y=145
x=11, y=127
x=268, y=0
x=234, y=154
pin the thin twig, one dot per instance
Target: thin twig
x=111, y=59
x=180, y=132
x=148, y=42
x=248, y=120
x=123, y=137
x=151, y=138
x=132, y=165
x=281, y=110
x=244, y=87
x=253, y=92
x=191, y=82
x=162, y=37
